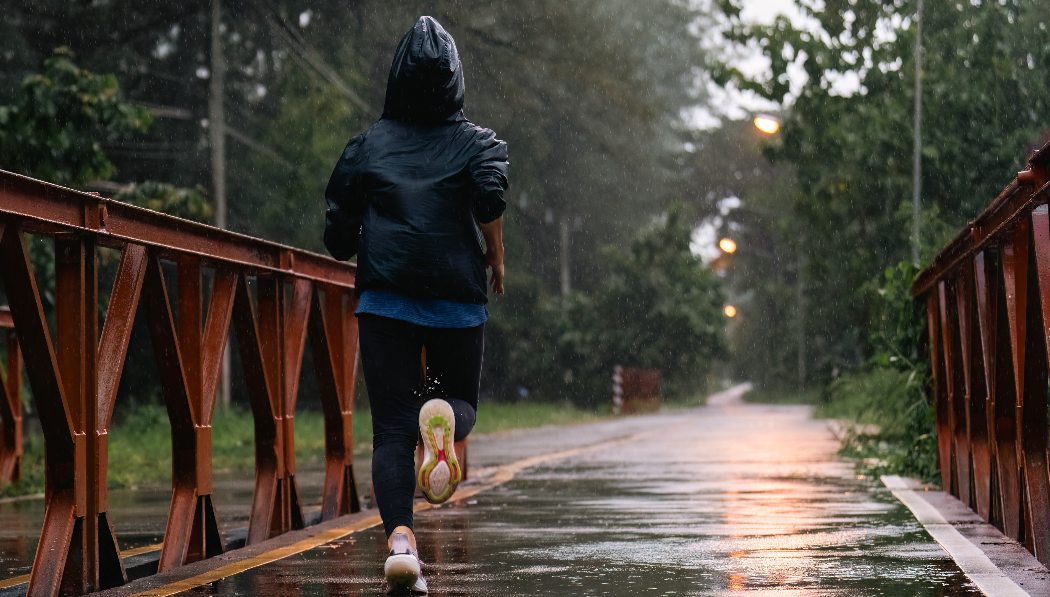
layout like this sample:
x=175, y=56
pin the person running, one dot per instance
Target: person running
x=418, y=197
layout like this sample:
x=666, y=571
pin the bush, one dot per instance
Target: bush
x=891, y=427
x=892, y=420
x=659, y=307
x=190, y=204
x=60, y=120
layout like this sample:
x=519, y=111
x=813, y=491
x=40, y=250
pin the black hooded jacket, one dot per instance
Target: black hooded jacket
x=407, y=193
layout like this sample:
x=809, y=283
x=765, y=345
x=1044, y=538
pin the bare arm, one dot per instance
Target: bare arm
x=493, y=232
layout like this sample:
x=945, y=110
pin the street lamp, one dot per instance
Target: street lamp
x=727, y=245
x=729, y=311
x=767, y=124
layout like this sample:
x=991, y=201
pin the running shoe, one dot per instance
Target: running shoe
x=403, y=570
x=439, y=472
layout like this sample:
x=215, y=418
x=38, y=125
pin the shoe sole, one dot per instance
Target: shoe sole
x=402, y=572
x=439, y=473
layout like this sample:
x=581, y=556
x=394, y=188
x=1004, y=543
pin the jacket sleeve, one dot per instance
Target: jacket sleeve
x=488, y=174
x=345, y=201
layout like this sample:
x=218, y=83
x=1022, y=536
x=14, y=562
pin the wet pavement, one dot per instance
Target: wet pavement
x=717, y=500
x=138, y=516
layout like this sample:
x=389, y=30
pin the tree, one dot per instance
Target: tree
x=58, y=122
x=659, y=307
x=190, y=204
x=589, y=95
x=984, y=104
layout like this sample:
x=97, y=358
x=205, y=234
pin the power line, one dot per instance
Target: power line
x=306, y=54
x=259, y=147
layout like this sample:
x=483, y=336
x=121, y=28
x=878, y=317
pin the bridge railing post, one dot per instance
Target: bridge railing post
x=274, y=298
x=77, y=552
x=333, y=342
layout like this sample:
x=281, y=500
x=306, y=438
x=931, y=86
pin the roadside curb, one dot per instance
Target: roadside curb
x=998, y=565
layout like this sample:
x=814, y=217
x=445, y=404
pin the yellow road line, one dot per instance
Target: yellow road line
x=14, y=581
x=502, y=475
x=141, y=550
x=261, y=559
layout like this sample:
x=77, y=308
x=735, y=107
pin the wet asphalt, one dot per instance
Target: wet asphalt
x=729, y=498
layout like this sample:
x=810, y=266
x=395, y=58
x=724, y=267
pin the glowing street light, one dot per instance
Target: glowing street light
x=766, y=124
x=729, y=311
x=727, y=245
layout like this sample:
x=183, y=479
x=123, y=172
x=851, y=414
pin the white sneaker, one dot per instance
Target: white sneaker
x=439, y=472
x=403, y=570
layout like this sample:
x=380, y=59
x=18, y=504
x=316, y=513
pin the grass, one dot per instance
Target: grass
x=140, y=443
x=890, y=423
x=502, y=416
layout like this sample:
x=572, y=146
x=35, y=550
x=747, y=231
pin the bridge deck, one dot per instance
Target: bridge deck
x=730, y=497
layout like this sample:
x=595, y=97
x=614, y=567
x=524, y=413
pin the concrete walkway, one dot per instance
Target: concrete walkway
x=722, y=499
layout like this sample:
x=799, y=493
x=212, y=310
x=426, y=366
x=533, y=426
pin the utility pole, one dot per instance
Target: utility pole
x=563, y=256
x=217, y=145
x=916, y=182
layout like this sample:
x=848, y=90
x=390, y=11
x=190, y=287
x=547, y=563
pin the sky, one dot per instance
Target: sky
x=736, y=104
x=733, y=103
x=763, y=11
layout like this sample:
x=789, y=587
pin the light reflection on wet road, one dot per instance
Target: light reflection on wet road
x=725, y=499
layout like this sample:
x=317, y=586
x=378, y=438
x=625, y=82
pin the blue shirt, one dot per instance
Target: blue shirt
x=431, y=313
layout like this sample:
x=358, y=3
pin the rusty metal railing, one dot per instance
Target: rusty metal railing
x=10, y=403
x=987, y=298
x=274, y=298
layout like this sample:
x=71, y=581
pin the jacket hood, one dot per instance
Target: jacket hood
x=426, y=77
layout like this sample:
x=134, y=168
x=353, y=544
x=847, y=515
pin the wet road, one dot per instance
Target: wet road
x=138, y=516
x=718, y=500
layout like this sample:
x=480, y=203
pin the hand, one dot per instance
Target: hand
x=495, y=261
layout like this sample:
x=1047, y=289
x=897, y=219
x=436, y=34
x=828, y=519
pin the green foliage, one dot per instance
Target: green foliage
x=276, y=189
x=890, y=421
x=190, y=204
x=899, y=330
x=493, y=418
x=886, y=404
x=589, y=95
x=658, y=307
x=983, y=98
x=58, y=122
x=984, y=101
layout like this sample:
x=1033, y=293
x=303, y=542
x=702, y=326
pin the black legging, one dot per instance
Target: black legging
x=390, y=355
